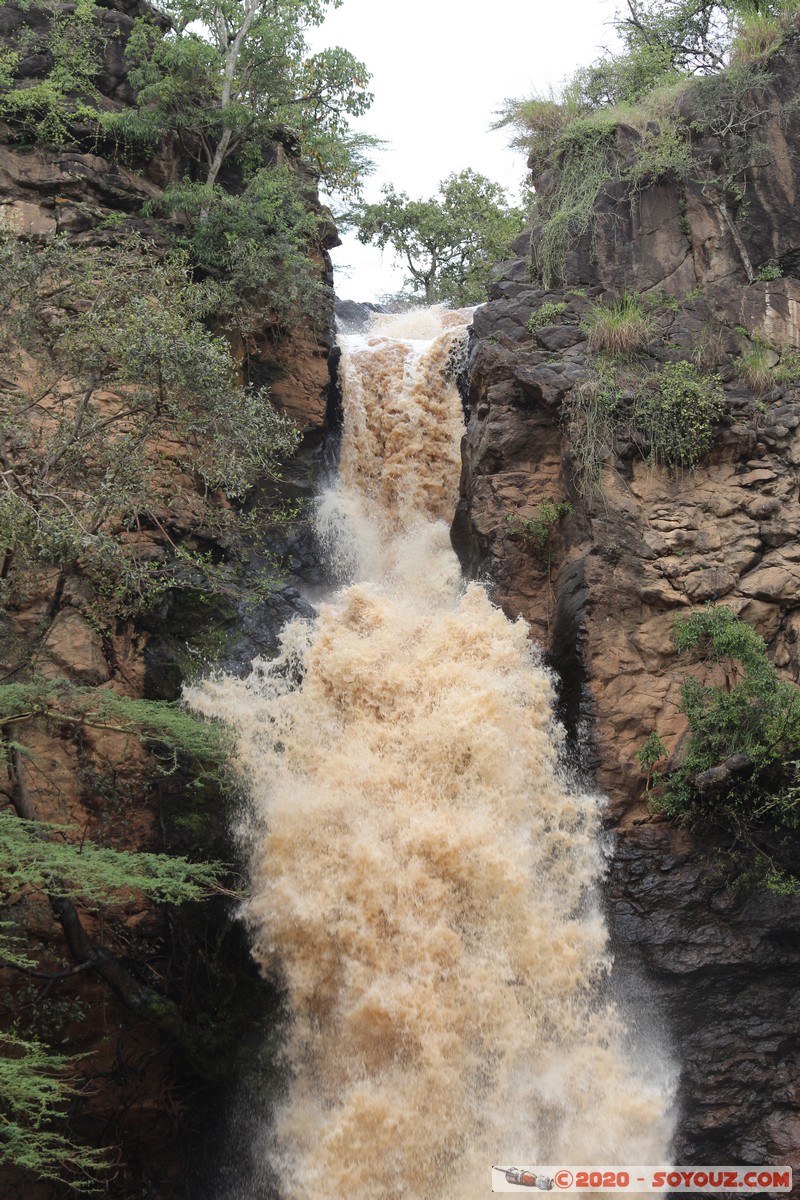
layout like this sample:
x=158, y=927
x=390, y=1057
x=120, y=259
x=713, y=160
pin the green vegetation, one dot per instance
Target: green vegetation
x=125, y=329
x=738, y=776
x=450, y=242
x=130, y=444
x=41, y=863
x=252, y=248
x=585, y=153
x=762, y=367
x=546, y=314
x=594, y=414
x=68, y=868
x=52, y=107
x=651, y=754
x=223, y=77
x=714, y=50
x=669, y=412
x=171, y=734
x=676, y=409
x=756, y=365
x=222, y=81
x=620, y=329
x=33, y=1098
x=537, y=529
x=229, y=74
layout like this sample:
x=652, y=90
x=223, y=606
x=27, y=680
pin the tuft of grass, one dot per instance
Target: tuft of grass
x=593, y=415
x=583, y=153
x=759, y=33
x=756, y=365
x=621, y=329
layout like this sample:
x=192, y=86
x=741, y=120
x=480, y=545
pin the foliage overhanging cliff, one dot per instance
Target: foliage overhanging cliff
x=165, y=305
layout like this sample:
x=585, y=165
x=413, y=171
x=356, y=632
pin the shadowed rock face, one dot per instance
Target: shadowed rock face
x=725, y=970
x=721, y=968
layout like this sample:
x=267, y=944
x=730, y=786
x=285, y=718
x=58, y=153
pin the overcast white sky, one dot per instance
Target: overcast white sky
x=440, y=70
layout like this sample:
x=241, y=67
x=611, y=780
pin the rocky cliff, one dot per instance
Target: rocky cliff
x=600, y=571
x=138, y=1094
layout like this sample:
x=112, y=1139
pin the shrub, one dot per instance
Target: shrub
x=739, y=776
x=537, y=529
x=621, y=329
x=675, y=410
x=768, y=273
x=653, y=751
x=80, y=476
x=546, y=314
x=257, y=246
x=51, y=108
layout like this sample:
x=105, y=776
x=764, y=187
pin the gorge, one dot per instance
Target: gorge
x=434, y=896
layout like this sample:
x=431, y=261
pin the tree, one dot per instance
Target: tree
x=104, y=352
x=449, y=242
x=74, y=872
x=229, y=74
x=232, y=83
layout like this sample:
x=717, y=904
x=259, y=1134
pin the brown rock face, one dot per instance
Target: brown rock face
x=602, y=587
x=135, y=1092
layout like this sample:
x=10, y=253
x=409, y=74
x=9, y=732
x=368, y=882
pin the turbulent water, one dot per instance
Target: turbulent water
x=422, y=875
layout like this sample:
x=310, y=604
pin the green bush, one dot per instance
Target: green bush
x=537, y=530
x=675, y=411
x=123, y=361
x=255, y=246
x=768, y=273
x=50, y=108
x=546, y=314
x=740, y=773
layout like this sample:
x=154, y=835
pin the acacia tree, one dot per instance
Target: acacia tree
x=74, y=873
x=228, y=74
x=450, y=242
x=117, y=357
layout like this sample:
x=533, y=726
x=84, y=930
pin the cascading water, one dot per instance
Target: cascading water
x=423, y=876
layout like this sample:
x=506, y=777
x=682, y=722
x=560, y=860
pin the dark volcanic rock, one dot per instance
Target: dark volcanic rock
x=353, y=316
x=726, y=969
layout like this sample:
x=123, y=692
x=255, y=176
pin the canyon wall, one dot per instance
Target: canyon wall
x=138, y=1093
x=614, y=564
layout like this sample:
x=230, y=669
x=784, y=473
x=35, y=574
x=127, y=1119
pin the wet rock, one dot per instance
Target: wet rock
x=353, y=316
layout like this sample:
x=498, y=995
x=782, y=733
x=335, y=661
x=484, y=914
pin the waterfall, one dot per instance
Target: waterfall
x=423, y=876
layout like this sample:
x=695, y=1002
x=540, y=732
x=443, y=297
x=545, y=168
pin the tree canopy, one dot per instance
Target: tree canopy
x=449, y=242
